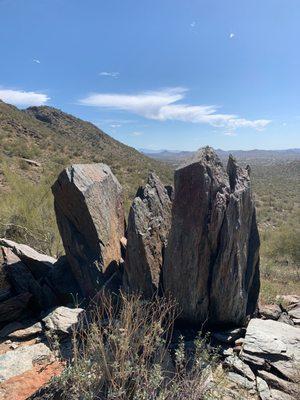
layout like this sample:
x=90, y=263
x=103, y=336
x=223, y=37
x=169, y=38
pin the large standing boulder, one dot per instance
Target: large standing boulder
x=148, y=227
x=211, y=264
x=88, y=203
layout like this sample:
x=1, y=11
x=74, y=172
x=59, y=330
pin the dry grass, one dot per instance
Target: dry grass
x=124, y=354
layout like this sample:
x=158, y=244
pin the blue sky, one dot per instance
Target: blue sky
x=175, y=74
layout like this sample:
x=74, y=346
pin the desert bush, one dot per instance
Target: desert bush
x=26, y=213
x=124, y=354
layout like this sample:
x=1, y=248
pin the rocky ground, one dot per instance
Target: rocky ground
x=200, y=244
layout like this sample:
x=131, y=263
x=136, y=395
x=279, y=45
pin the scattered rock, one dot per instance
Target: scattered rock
x=38, y=264
x=31, y=162
x=212, y=263
x=228, y=336
x=295, y=312
x=26, y=333
x=241, y=381
x=278, y=395
x=89, y=210
x=270, y=311
x=277, y=383
x=288, y=301
x=22, y=359
x=240, y=367
x=148, y=228
x=62, y=319
x=263, y=389
x=285, y=318
x=273, y=344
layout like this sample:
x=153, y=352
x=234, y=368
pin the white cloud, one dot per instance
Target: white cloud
x=231, y=36
x=22, y=98
x=110, y=74
x=230, y=133
x=193, y=24
x=160, y=105
x=114, y=126
x=136, y=133
x=36, y=61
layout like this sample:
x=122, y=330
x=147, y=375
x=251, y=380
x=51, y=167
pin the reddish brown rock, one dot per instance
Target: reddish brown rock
x=148, y=227
x=89, y=210
x=212, y=264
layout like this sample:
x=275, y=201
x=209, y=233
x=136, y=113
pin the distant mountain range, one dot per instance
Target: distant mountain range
x=177, y=156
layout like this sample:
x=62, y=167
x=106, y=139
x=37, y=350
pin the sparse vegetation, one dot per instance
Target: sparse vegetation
x=124, y=354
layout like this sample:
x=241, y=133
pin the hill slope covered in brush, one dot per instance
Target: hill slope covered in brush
x=54, y=139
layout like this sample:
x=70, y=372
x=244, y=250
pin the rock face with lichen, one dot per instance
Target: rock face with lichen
x=89, y=209
x=148, y=228
x=211, y=264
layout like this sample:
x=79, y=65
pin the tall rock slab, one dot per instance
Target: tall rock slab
x=212, y=264
x=88, y=202
x=148, y=228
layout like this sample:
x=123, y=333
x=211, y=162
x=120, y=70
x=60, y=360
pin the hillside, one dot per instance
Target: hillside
x=54, y=139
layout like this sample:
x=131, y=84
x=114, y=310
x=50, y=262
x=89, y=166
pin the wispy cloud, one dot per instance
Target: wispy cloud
x=231, y=35
x=114, y=126
x=22, y=98
x=163, y=105
x=136, y=133
x=193, y=24
x=110, y=74
x=230, y=133
x=35, y=60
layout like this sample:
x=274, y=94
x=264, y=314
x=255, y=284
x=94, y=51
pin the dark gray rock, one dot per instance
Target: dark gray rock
x=23, y=281
x=148, y=227
x=212, y=259
x=63, y=283
x=88, y=203
x=14, y=308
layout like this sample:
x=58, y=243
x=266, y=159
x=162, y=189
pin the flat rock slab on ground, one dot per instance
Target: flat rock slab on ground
x=26, y=332
x=62, y=319
x=272, y=343
x=22, y=359
x=39, y=264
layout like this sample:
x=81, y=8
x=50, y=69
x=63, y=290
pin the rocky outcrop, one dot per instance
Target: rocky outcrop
x=211, y=264
x=148, y=228
x=89, y=210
